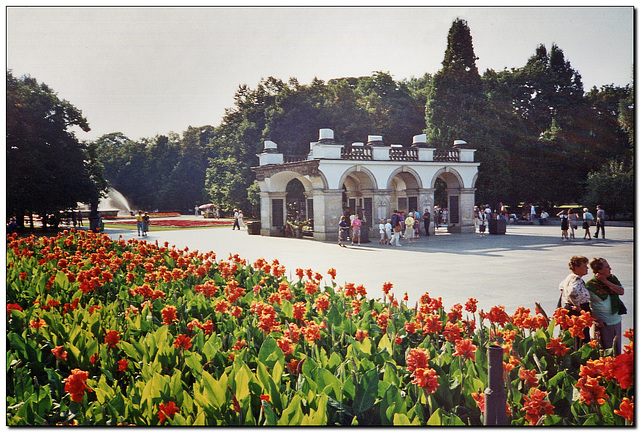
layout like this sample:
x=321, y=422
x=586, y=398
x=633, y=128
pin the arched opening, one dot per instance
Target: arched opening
x=447, y=195
x=296, y=202
x=404, y=188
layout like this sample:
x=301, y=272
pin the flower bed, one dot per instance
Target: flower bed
x=104, y=332
x=181, y=223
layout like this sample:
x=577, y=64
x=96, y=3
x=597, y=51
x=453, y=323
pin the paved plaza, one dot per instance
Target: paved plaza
x=519, y=268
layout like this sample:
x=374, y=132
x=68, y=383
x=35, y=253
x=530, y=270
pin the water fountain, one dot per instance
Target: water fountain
x=110, y=205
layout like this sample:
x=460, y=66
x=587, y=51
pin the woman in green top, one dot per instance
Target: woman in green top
x=604, y=290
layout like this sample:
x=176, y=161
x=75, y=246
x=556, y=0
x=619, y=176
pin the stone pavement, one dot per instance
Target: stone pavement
x=519, y=268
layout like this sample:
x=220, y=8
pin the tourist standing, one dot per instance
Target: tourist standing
x=476, y=218
x=427, y=221
x=533, y=212
x=388, y=230
x=356, y=224
x=139, y=223
x=397, y=231
x=382, y=232
x=573, y=223
x=240, y=219
x=587, y=221
x=544, y=216
x=416, y=225
x=235, y=220
x=145, y=223
x=482, y=223
x=605, y=290
x=343, y=231
x=574, y=295
x=599, y=221
x=409, y=231
x=564, y=224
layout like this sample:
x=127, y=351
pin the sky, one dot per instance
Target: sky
x=145, y=71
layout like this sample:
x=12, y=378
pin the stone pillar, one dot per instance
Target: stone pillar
x=268, y=226
x=426, y=200
x=381, y=205
x=467, y=201
x=327, y=209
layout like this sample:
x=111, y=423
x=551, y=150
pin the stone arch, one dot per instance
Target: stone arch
x=451, y=177
x=279, y=181
x=475, y=179
x=365, y=178
x=408, y=175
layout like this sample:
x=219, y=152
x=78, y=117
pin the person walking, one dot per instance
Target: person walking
x=573, y=223
x=564, y=224
x=235, y=220
x=416, y=225
x=397, y=231
x=482, y=223
x=605, y=290
x=382, y=232
x=427, y=221
x=574, y=295
x=343, y=231
x=587, y=221
x=599, y=221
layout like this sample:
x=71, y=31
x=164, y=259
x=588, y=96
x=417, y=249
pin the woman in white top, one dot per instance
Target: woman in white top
x=586, y=224
x=574, y=294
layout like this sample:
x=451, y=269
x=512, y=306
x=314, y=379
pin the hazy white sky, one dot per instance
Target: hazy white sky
x=151, y=70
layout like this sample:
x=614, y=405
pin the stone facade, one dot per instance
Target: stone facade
x=372, y=179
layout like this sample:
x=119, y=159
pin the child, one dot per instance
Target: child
x=382, y=232
x=387, y=229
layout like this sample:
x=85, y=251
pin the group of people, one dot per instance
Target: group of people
x=600, y=295
x=142, y=222
x=355, y=224
x=569, y=220
x=238, y=219
x=483, y=214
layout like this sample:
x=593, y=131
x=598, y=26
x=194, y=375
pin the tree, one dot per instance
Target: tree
x=612, y=188
x=456, y=103
x=48, y=169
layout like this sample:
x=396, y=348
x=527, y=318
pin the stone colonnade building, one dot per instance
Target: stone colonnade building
x=372, y=179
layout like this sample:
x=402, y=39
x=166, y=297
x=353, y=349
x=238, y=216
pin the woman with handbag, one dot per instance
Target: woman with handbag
x=605, y=291
x=574, y=295
x=587, y=221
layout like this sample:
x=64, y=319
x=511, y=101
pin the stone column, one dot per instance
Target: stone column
x=327, y=209
x=467, y=201
x=426, y=200
x=268, y=226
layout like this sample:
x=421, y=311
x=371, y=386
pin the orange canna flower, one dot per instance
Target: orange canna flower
x=13, y=306
x=239, y=345
x=361, y=335
x=37, y=323
x=310, y=288
x=112, y=338
x=591, y=390
x=623, y=370
x=311, y=332
x=76, y=384
x=167, y=411
x=417, y=358
x=60, y=353
x=285, y=345
x=452, y=332
x=169, y=314
x=432, y=324
x=479, y=398
x=265, y=398
x=426, y=378
x=557, y=348
x=411, y=327
x=332, y=272
x=322, y=303
x=471, y=305
x=626, y=410
x=529, y=377
x=183, y=342
x=465, y=349
x=122, y=365
x=299, y=309
x=535, y=406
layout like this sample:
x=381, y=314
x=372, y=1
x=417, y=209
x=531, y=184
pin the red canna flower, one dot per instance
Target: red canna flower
x=557, y=348
x=122, y=365
x=455, y=314
x=350, y=289
x=76, y=384
x=322, y=303
x=222, y=306
x=167, y=410
x=383, y=320
x=529, y=376
x=591, y=390
x=236, y=311
x=623, y=369
x=465, y=349
x=361, y=335
x=452, y=332
x=311, y=332
x=360, y=289
x=238, y=345
x=411, y=327
x=417, y=358
x=60, y=353
x=471, y=305
x=299, y=309
x=112, y=338
x=285, y=345
x=300, y=273
x=479, y=398
x=13, y=306
x=37, y=323
x=183, y=341
x=626, y=410
x=497, y=315
x=294, y=365
x=310, y=288
x=332, y=272
x=93, y=358
x=432, y=324
x=535, y=406
x=386, y=287
x=426, y=378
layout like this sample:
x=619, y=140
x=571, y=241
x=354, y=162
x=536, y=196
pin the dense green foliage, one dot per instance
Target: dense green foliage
x=48, y=169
